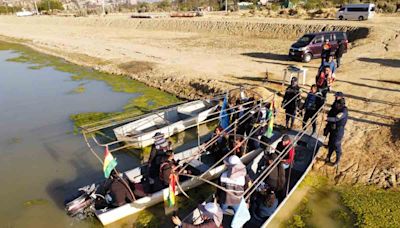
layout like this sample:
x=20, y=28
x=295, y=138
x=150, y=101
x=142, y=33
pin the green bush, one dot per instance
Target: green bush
x=44, y=5
x=164, y=5
x=9, y=10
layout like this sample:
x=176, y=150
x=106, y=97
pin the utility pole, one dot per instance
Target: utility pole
x=104, y=10
x=226, y=6
x=48, y=6
x=37, y=11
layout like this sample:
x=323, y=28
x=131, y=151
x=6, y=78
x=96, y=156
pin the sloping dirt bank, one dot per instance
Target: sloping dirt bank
x=197, y=57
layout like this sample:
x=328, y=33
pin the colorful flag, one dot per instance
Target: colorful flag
x=270, y=128
x=171, y=192
x=223, y=115
x=109, y=163
x=242, y=215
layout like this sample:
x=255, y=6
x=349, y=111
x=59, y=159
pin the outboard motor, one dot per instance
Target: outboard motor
x=83, y=205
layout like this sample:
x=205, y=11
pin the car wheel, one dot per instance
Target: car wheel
x=307, y=57
x=340, y=17
x=360, y=18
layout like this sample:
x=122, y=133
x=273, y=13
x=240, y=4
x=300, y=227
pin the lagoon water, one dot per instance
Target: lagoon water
x=42, y=160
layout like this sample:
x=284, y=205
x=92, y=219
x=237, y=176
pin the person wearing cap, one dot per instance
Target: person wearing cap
x=211, y=215
x=291, y=101
x=235, y=180
x=157, y=154
x=326, y=51
x=336, y=122
x=283, y=146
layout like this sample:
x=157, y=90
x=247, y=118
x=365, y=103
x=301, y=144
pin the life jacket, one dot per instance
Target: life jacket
x=321, y=80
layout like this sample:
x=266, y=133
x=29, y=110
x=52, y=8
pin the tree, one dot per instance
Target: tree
x=47, y=5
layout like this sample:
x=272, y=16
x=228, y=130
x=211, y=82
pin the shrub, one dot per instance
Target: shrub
x=47, y=5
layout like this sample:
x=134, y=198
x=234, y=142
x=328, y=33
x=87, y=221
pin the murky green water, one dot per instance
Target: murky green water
x=42, y=161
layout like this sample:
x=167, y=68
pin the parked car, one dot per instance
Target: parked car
x=309, y=46
x=356, y=12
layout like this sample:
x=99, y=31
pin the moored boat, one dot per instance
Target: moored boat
x=306, y=147
x=139, y=133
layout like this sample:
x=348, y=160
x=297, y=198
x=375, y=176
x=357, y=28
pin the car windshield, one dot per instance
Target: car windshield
x=306, y=39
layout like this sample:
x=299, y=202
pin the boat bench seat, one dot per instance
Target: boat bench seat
x=199, y=165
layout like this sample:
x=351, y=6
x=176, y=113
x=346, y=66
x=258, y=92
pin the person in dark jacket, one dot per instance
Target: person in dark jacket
x=276, y=179
x=221, y=146
x=339, y=52
x=337, y=119
x=211, y=215
x=291, y=101
x=311, y=105
x=263, y=207
x=326, y=51
x=119, y=192
x=157, y=154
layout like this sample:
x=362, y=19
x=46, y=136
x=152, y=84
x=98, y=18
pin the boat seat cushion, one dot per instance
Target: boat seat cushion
x=198, y=165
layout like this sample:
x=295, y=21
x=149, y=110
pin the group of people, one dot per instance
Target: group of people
x=316, y=97
x=235, y=181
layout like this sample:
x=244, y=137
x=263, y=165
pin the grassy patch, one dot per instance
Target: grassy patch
x=79, y=89
x=373, y=207
x=146, y=219
x=345, y=206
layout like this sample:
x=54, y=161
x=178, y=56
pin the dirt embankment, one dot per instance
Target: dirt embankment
x=198, y=57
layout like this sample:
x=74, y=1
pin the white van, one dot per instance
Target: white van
x=356, y=12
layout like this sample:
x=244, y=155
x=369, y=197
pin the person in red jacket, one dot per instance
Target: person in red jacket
x=282, y=147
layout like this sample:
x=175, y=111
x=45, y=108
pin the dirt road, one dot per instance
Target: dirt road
x=193, y=57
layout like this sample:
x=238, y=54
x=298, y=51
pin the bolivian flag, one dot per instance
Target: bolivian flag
x=171, y=192
x=270, y=128
x=109, y=163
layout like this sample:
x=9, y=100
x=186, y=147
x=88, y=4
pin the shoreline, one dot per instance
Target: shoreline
x=191, y=65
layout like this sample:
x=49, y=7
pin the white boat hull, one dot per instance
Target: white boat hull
x=158, y=197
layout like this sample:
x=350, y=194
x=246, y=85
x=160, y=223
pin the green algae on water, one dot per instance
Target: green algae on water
x=148, y=99
x=146, y=219
x=35, y=202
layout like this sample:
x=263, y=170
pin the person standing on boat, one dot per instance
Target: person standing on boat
x=291, y=101
x=157, y=155
x=220, y=147
x=167, y=168
x=337, y=119
x=282, y=147
x=211, y=215
x=235, y=180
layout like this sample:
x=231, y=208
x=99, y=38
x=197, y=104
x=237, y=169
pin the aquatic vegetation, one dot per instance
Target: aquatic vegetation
x=35, y=202
x=79, y=89
x=361, y=206
x=146, y=219
x=373, y=207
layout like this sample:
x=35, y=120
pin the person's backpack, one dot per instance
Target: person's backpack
x=163, y=168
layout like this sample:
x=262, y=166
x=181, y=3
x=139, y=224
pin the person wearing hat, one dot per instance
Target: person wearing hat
x=157, y=154
x=336, y=122
x=291, y=101
x=211, y=215
x=326, y=51
x=235, y=180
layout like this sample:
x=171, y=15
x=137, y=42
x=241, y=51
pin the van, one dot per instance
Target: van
x=356, y=12
x=309, y=46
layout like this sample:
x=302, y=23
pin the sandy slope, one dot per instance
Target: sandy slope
x=192, y=63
